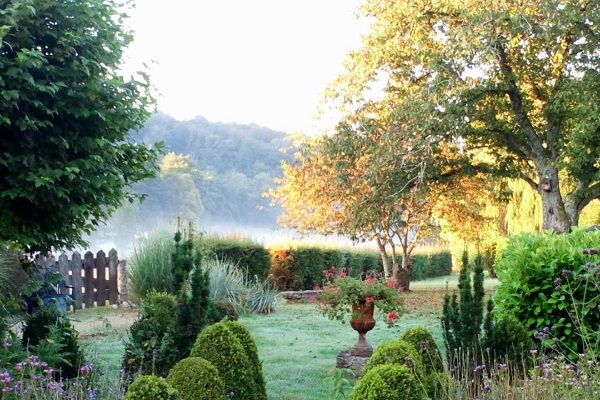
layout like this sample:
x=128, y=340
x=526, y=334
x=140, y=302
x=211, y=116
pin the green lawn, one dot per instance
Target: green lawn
x=297, y=345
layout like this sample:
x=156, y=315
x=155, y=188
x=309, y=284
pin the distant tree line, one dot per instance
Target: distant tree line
x=211, y=173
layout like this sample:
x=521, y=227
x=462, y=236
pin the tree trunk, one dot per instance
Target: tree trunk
x=384, y=258
x=403, y=277
x=553, y=207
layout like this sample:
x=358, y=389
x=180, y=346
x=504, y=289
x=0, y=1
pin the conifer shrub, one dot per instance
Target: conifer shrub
x=388, y=382
x=196, y=379
x=151, y=387
x=399, y=352
x=249, y=345
x=218, y=345
x=462, y=316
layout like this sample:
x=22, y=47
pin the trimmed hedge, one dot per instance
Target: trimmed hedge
x=302, y=268
x=431, y=265
x=251, y=257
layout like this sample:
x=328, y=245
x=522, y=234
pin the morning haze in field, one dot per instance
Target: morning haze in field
x=212, y=174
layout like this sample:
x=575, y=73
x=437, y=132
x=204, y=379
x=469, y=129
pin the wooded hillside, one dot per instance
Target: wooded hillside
x=212, y=173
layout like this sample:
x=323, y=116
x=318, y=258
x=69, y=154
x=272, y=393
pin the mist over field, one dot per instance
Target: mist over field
x=213, y=175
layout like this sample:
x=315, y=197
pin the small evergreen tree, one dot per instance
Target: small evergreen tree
x=193, y=290
x=462, y=318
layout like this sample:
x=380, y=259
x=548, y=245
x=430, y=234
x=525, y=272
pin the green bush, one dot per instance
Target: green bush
x=218, y=345
x=151, y=387
x=396, y=351
x=52, y=337
x=149, y=348
x=534, y=272
x=423, y=342
x=430, y=355
x=150, y=266
x=388, y=382
x=507, y=342
x=431, y=264
x=196, y=379
x=248, y=344
x=250, y=257
x=333, y=257
x=309, y=266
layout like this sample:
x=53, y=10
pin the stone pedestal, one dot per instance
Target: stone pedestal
x=355, y=363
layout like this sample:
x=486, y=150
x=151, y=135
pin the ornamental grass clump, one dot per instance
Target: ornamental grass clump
x=341, y=292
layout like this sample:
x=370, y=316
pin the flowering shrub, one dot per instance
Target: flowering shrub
x=341, y=292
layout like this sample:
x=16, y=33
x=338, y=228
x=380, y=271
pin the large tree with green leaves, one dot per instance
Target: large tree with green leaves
x=519, y=81
x=66, y=161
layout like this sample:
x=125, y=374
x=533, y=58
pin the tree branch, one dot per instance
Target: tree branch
x=516, y=100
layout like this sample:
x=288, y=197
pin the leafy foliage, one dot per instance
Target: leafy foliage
x=151, y=387
x=196, y=379
x=51, y=336
x=387, y=382
x=534, y=274
x=149, y=349
x=251, y=257
x=398, y=352
x=463, y=317
x=221, y=347
x=192, y=286
x=430, y=355
x=423, y=342
x=243, y=334
x=67, y=160
x=529, y=104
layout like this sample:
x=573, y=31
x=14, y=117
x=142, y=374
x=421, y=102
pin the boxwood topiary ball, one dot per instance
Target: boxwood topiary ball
x=249, y=345
x=151, y=387
x=196, y=379
x=423, y=341
x=223, y=349
x=388, y=382
x=399, y=352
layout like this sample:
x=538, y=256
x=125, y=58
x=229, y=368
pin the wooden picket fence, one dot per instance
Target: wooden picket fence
x=92, y=281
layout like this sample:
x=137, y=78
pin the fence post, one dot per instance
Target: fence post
x=123, y=273
x=113, y=277
x=88, y=280
x=100, y=265
x=76, y=279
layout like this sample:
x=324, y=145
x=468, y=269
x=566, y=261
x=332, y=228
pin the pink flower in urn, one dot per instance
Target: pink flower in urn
x=370, y=299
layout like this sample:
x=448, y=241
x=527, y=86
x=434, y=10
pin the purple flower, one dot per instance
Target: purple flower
x=558, y=281
x=533, y=351
x=566, y=272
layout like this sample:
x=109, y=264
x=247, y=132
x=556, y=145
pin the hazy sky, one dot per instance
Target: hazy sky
x=247, y=61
